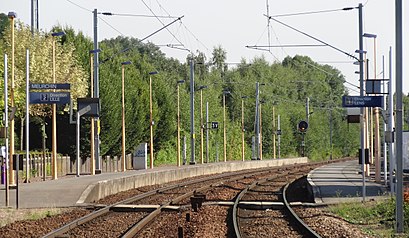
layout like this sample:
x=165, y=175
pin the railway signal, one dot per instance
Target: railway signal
x=302, y=126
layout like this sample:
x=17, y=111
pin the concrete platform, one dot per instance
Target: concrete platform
x=342, y=182
x=76, y=191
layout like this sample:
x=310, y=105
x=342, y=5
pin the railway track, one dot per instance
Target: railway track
x=262, y=209
x=180, y=210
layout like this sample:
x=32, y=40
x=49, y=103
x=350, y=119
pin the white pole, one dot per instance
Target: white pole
x=27, y=115
x=6, y=123
x=391, y=127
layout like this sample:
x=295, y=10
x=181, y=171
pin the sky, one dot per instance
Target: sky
x=233, y=25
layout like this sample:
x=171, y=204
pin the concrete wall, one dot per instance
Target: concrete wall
x=105, y=188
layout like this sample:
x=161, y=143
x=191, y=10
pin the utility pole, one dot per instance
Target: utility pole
x=96, y=94
x=192, y=112
x=34, y=16
x=399, y=115
x=361, y=90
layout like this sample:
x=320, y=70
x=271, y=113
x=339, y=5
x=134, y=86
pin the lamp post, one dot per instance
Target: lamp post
x=201, y=121
x=11, y=16
x=178, y=124
x=151, y=120
x=242, y=127
x=224, y=125
x=54, y=117
x=123, y=164
x=92, y=162
x=376, y=112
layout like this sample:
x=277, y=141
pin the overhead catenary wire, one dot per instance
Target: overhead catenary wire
x=174, y=37
x=127, y=49
x=134, y=15
x=314, y=12
x=315, y=38
x=284, y=46
x=76, y=4
x=111, y=26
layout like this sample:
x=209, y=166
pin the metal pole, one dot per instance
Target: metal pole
x=274, y=134
x=150, y=124
x=178, y=128
x=201, y=126
x=224, y=128
x=399, y=121
x=54, y=125
x=123, y=120
x=192, y=112
x=6, y=123
x=184, y=150
x=257, y=121
x=27, y=116
x=92, y=139
x=242, y=129
x=361, y=81
x=391, y=126
x=261, y=133
x=385, y=155
x=377, y=145
x=207, y=132
x=11, y=132
x=279, y=137
x=17, y=170
x=34, y=16
x=78, y=145
x=96, y=93
x=330, y=133
x=307, y=109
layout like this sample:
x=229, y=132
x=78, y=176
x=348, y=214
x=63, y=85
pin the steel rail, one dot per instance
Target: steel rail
x=309, y=232
x=241, y=195
x=137, y=227
x=287, y=206
x=93, y=215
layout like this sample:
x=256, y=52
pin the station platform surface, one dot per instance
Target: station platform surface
x=77, y=191
x=331, y=183
x=343, y=182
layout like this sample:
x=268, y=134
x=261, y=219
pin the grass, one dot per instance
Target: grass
x=376, y=218
x=8, y=215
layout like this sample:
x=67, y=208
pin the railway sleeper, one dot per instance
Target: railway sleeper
x=263, y=205
x=141, y=208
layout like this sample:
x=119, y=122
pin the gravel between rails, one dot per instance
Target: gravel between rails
x=208, y=221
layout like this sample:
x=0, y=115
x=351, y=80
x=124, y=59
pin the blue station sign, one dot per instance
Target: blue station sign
x=49, y=97
x=362, y=101
x=44, y=86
